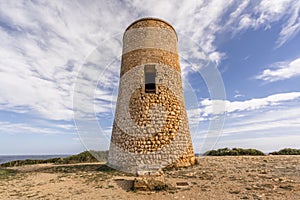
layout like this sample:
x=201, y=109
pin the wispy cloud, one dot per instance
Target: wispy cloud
x=266, y=12
x=22, y=128
x=238, y=94
x=42, y=47
x=274, y=111
x=256, y=123
x=281, y=71
x=292, y=26
x=210, y=107
x=268, y=129
x=265, y=143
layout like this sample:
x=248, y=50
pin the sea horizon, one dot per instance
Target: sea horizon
x=9, y=158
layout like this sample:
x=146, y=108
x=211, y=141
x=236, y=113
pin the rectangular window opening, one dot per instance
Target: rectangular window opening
x=150, y=74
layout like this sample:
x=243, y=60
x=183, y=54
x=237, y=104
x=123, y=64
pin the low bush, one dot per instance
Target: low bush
x=287, y=151
x=234, y=152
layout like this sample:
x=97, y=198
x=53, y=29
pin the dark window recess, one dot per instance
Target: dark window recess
x=150, y=73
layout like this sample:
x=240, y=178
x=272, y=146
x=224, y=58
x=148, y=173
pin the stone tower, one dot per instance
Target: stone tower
x=150, y=129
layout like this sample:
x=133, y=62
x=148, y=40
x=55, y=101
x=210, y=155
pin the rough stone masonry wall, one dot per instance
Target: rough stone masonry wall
x=151, y=22
x=150, y=129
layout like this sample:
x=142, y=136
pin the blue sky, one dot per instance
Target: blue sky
x=44, y=47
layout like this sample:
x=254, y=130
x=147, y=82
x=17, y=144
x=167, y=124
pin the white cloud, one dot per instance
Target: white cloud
x=43, y=44
x=268, y=116
x=279, y=118
x=238, y=95
x=266, y=144
x=292, y=27
x=238, y=11
x=259, y=103
x=266, y=129
x=214, y=107
x=261, y=120
x=267, y=12
x=245, y=22
x=281, y=71
x=23, y=128
x=266, y=126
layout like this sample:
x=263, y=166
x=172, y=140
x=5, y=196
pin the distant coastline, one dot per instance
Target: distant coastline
x=8, y=158
x=96, y=156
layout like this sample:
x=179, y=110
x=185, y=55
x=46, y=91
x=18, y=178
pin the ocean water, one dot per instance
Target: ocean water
x=8, y=158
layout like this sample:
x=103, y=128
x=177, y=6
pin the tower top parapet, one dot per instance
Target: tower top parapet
x=151, y=22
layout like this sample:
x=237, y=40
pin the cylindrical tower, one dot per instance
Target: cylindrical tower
x=150, y=129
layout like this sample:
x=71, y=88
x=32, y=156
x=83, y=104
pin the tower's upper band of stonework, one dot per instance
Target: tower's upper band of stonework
x=151, y=22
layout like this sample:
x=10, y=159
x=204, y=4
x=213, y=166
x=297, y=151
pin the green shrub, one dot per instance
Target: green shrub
x=5, y=173
x=234, y=152
x=287, y=151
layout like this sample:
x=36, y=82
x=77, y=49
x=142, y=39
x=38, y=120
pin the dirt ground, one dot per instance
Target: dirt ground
x=243, y=177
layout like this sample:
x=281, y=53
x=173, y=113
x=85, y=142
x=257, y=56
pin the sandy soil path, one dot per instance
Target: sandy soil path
x=263, y=177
